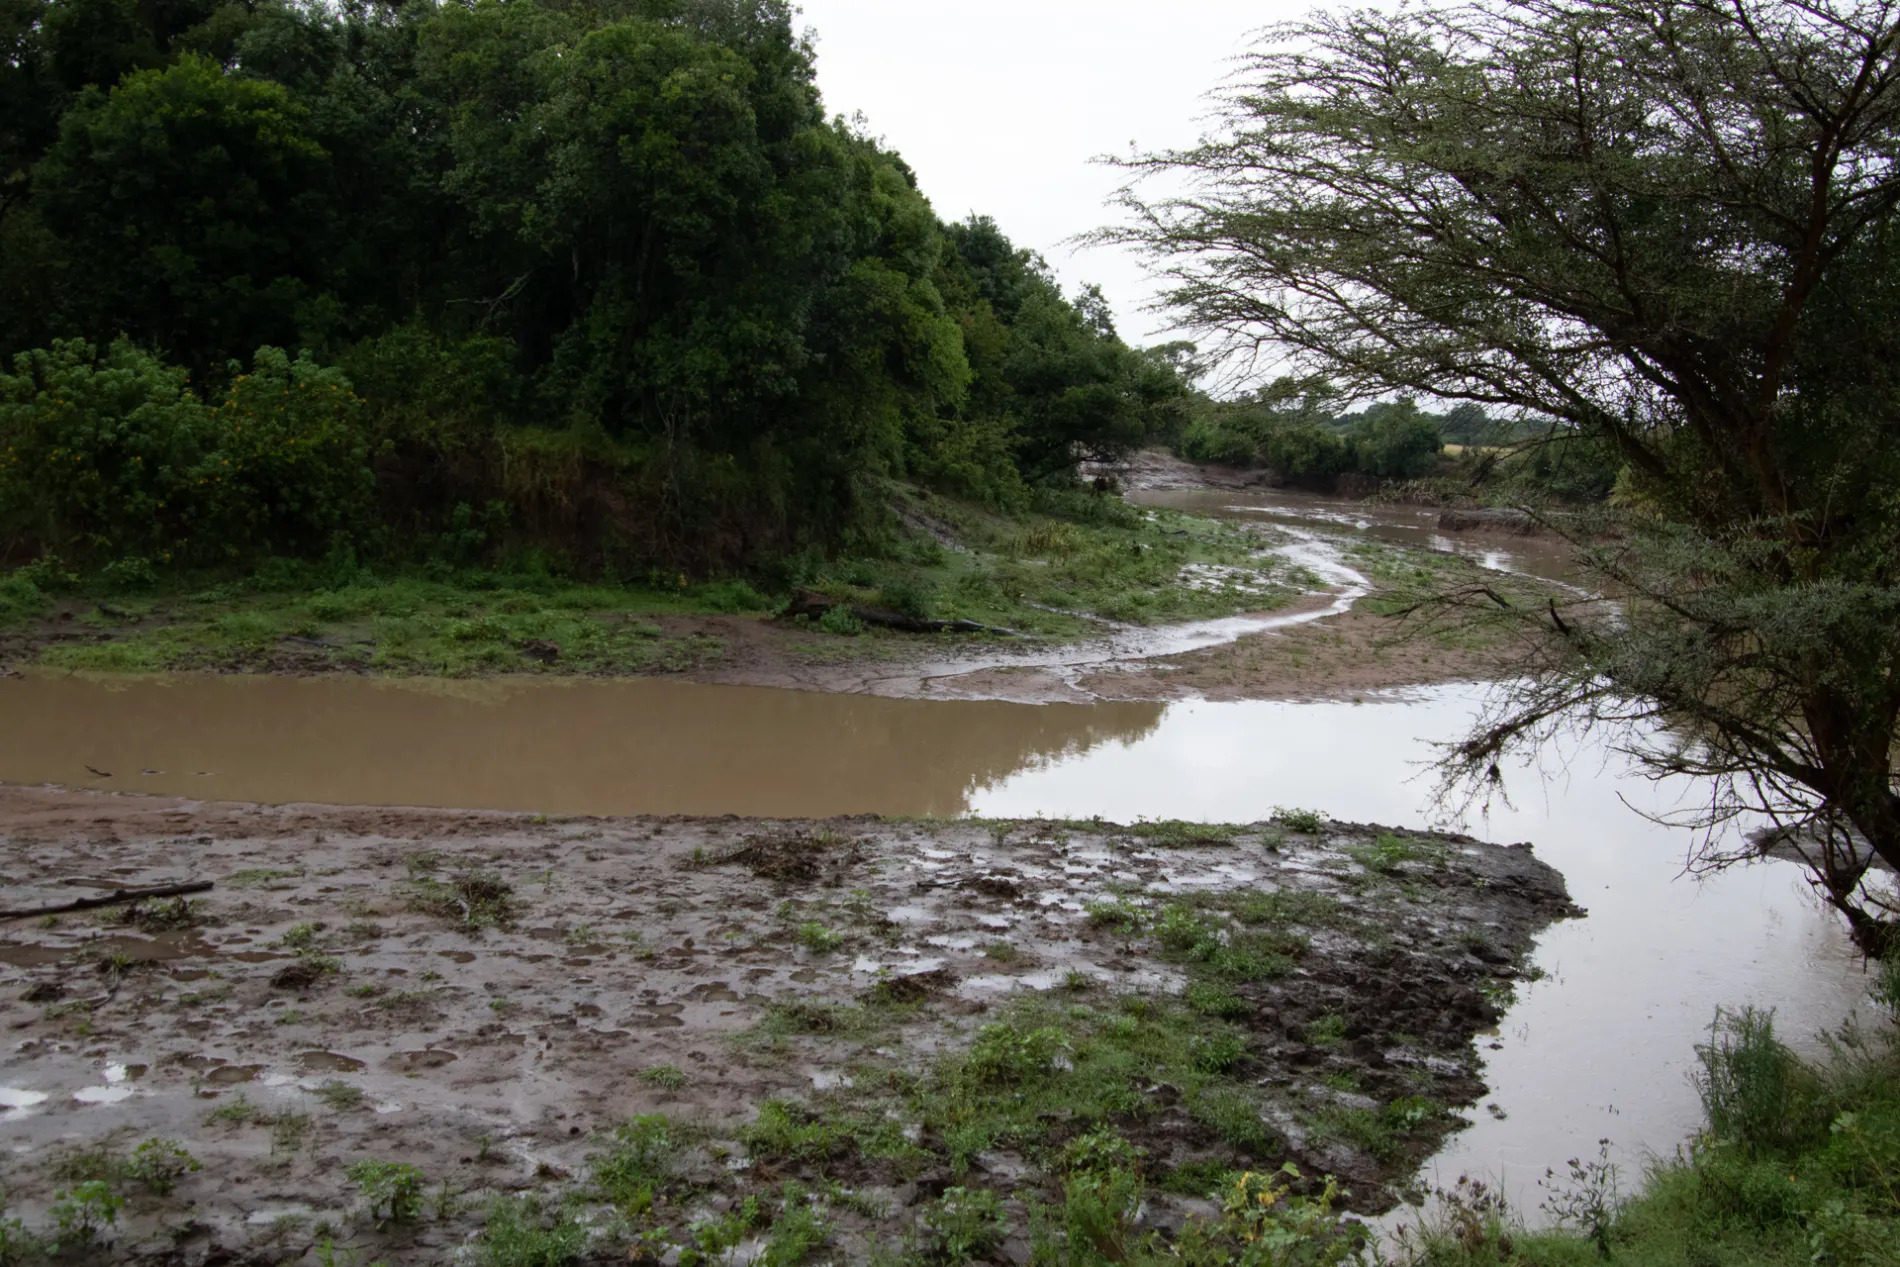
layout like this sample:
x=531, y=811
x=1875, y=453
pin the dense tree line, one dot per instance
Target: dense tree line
x=603, y=274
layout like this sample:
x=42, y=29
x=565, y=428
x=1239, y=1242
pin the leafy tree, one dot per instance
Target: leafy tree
x=1669, y=226
x=198, y=201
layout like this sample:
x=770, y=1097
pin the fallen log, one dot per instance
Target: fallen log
x=112, y=899
x=813, y=605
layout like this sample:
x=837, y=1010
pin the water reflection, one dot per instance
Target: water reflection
x=1603, y=1047
x=574, y=747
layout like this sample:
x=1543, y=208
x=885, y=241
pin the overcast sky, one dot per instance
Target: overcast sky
x=1000, y=105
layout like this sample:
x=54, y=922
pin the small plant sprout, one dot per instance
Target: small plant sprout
x=391, y=1189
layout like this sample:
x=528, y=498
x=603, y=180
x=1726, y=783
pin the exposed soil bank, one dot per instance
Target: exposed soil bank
x=1223, y=998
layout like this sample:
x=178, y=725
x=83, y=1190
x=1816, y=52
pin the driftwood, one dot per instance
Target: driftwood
x=112, y=899
x=814, y=605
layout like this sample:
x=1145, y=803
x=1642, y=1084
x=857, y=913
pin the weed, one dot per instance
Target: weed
x=287, y=1131
x=842, y=621
x=1211, y=1000
x=666, y=1077
x=81, y=1216
x=818, y=939
x=1004, y=1055
x=1117, y=914
x=788, y=1131
x=300, y=936
x=239, y=1111
x=795, y=1233
x=964, y=1225
x=1754, y=1091
x=1306, y=822
x=258, y=877
x=340, y=1096
x=1326, y=1031
x=1217, y=1054
x=1172, y=834
x=1002, y=952
x=472, y=900
x=637, y=1164
x=152, y=918
x=1589, y=1201
x=157, y=1165
x=391, y=1189
x=1387, y=854
x=519, y=1234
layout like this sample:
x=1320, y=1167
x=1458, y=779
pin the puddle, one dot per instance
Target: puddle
x=161, y=949
x=104, y=1095
x=233, y=1075
x=13, y=1098
x=328, y=1062
x=419, y=1061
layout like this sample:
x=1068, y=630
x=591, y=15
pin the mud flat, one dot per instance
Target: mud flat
x=839, y=1021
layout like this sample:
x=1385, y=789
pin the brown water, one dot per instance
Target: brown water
x=1601, y=1048
x=575, y=747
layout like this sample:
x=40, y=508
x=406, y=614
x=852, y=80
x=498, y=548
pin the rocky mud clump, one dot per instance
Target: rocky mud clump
x=424, y=1037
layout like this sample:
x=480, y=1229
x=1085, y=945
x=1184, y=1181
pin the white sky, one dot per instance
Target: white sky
x=1000, y=107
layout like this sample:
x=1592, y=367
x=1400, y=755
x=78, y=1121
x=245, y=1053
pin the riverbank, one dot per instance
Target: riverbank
x=857, y=1025
x=1113, y=602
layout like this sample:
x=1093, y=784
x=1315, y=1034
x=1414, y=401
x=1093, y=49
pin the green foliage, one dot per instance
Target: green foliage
x=610, y=282
x=1755, y=1092
x=964, y=1225
x=638, y=1163
x=1417, y=232
x=197, y=198
x=1305, y=821
x=391, y=1189
x=115, y=453
x=519, y=1234
x=818, y=939
x=842, y=621
x=1003, y=1055
x=82, y=1215
x=157, y=1165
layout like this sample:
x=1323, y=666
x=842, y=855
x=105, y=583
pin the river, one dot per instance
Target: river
x=1600, y=1048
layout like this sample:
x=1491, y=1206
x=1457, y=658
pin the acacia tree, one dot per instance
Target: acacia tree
x=1670, y=226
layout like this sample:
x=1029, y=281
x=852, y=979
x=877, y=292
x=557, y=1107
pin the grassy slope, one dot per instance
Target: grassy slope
x=1044, y=576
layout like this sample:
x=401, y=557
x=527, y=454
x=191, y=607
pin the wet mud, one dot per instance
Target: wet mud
x=486, y=997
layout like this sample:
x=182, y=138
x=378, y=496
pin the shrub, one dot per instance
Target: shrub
x=115, y=455
x=842, y=621
x=20, y=598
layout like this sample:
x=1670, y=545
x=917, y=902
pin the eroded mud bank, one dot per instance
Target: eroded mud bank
x=876, y=1011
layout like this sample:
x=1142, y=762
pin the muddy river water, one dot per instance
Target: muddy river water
x=1601, y=1048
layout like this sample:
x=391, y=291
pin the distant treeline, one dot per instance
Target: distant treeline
x=1292, y=430
x=599, y=279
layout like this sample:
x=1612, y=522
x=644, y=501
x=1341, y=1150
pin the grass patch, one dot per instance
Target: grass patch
x=472, y=900
x=1172, y=834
